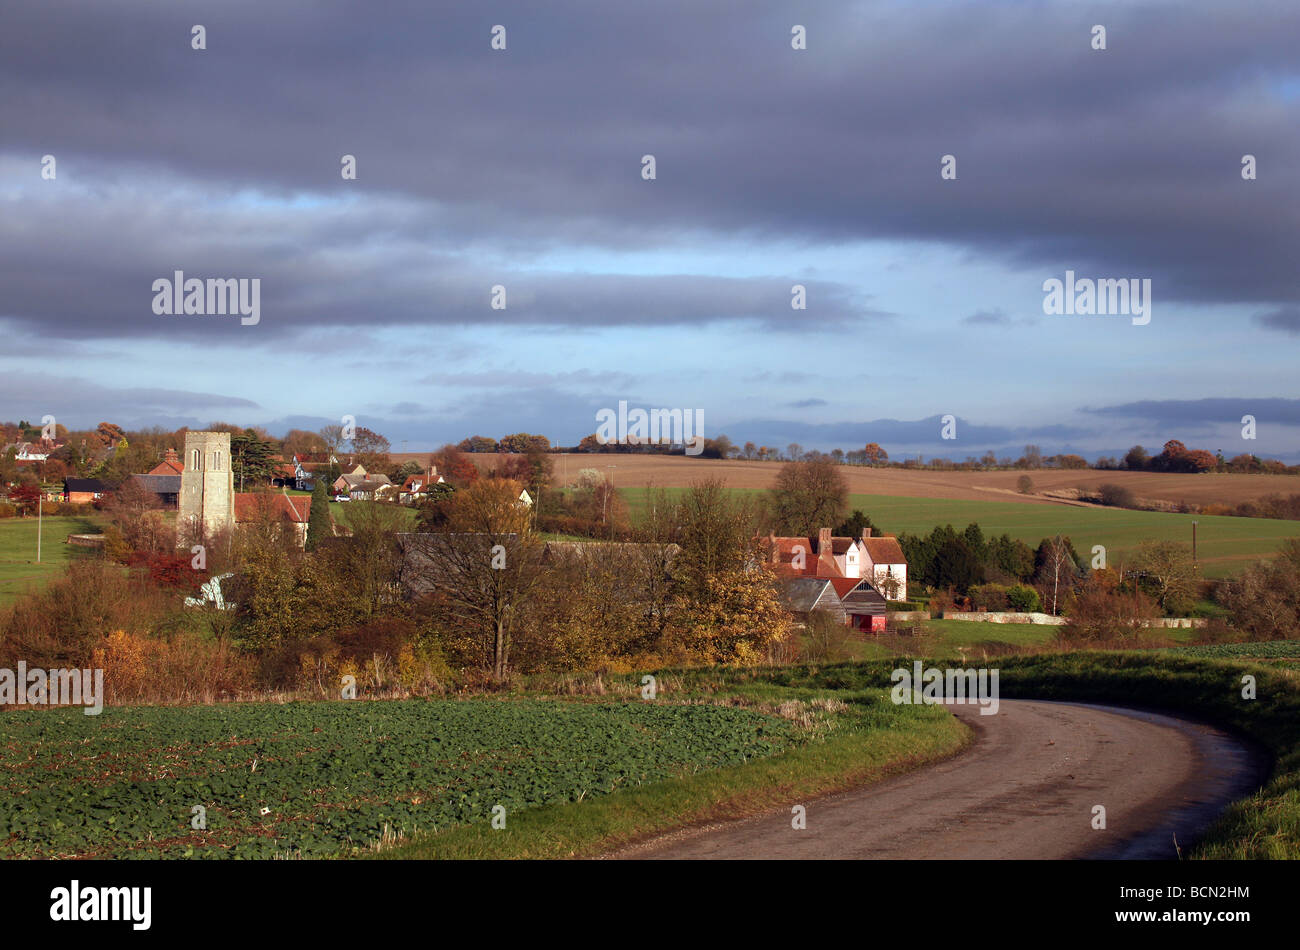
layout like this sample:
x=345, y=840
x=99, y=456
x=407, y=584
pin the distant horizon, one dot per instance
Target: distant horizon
x=403, y=447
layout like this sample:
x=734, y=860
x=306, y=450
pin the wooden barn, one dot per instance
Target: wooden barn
x=803, y=595
x=864, y=606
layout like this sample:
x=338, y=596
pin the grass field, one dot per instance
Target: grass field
x=1224, y=545
x=18, y=568
x=954, y=639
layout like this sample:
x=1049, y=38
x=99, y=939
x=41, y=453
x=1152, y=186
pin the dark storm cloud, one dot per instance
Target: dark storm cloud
x=997, y=318
x=1206, y=413
x=1286, y=319
x=73, y=402
x=516, y=379
x=992, y=318
x=910, y=434
x=63, y=278
x=1067, y=157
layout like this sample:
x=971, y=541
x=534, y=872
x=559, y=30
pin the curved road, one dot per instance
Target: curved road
x=1024, y=789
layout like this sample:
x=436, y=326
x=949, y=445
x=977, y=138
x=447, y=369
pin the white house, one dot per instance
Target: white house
x=883, y=564
x=27, y=452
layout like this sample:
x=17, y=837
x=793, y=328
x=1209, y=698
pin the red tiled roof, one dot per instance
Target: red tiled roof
x=843, y=585
x=252, y=506
x=814, y=565
x=167, y=467
x=884, y=550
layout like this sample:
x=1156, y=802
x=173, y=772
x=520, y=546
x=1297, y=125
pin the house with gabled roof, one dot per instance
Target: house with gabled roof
x=418, y=487
x=884, y=564
x=879, y=560
x=28, y=451
x=170, y=465
x=363, y=487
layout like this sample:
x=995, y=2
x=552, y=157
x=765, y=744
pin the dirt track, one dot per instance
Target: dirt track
x=1025, y=789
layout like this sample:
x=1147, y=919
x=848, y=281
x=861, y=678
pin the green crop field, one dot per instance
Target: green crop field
x=1224, y=544
x=18, y=567
x=334, y=775
x=1265, y=650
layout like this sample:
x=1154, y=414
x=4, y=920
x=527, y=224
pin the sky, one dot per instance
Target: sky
x=523, y=168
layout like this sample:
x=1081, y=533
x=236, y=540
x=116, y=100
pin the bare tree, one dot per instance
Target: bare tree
x=332, y=435
x=809, y=495
x=373, y=555
x=1057, y=571
x=483, y=571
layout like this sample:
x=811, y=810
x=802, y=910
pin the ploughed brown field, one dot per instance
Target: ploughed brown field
x=674, y=471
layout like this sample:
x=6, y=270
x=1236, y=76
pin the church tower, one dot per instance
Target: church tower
x=207, y=503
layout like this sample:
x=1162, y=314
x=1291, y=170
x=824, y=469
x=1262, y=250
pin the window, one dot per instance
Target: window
x=194, y=460
x=216, y=461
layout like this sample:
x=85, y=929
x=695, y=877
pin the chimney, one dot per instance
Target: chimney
x=866, y=533
x=170, y=456
x=823, y=540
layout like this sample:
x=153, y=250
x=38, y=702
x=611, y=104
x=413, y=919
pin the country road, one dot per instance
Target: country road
x=1026, y=788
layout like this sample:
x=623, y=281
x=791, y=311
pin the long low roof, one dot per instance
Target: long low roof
x=161, y=484
x=86, y=484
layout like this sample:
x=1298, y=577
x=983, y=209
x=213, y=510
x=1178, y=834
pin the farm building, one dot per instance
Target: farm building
x=803, y=595
x=167, y=488
x=864, y=606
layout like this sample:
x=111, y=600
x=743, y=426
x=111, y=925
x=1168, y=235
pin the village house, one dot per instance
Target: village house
x=362, y=487
x=418, y=487
x=28, y=451
x=879, y=560
x=284, y=474
x=170, y=465
x=852, y=578
x=83, y=490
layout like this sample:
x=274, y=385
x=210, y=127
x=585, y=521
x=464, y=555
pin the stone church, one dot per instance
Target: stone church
x=207, y=502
